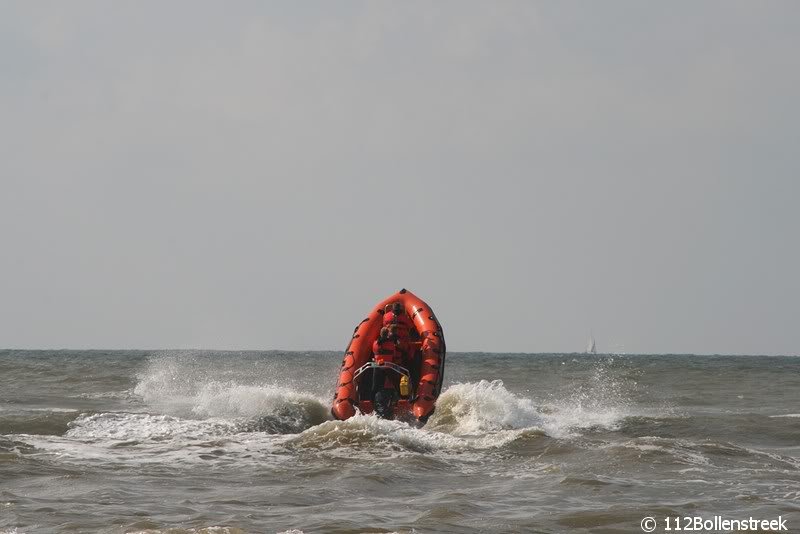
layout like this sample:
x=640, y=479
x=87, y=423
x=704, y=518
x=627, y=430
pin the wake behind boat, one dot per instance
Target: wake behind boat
x=394, y=364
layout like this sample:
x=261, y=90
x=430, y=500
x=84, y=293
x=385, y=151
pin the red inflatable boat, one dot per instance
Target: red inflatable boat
x=419, y=383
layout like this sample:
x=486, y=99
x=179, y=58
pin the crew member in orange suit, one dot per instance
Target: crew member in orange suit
x=400, y=324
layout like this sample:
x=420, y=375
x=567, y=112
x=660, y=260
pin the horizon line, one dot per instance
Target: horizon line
x=539, y=353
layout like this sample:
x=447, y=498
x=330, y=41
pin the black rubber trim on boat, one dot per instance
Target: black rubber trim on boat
x=403, y=291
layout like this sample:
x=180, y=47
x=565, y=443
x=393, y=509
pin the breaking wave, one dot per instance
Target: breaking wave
x=481, y=414
x=468, y=416
x=485, y=406
x=187, y=399
x=181, y=386
x=481, y=407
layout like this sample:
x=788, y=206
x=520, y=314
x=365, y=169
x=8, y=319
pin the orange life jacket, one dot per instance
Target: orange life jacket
x=400, y=321
x=385, y=351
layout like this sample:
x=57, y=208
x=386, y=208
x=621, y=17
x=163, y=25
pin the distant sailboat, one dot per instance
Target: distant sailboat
x=591, y=347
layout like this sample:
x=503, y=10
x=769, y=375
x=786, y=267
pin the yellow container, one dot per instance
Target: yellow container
x=404, y=390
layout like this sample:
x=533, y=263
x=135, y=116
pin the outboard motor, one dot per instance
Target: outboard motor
x=384, y=403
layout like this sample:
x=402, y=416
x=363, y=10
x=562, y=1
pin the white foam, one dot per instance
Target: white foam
x=137, y=439
x=787, y=415
x=201, y=530
x=188, y=408
x=180, y=386
x=370, y=430
x=231, y=400
x=789, y=460
x=681, y=450
x=483, y=406
x=601, y=401
x=692, y=470
x=125, y=394
x=483, y=411
x=378, y=437
x=145, y=427
x=471, y=416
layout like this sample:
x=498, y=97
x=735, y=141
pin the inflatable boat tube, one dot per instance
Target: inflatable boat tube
x=429, y=359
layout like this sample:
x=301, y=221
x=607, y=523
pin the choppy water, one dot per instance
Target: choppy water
x=228, y=442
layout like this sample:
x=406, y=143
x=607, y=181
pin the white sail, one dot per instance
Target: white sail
x=591, y=347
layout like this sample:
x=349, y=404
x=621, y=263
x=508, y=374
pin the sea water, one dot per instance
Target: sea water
x=223, y=442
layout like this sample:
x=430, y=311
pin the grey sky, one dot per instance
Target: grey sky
x=258, y=175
